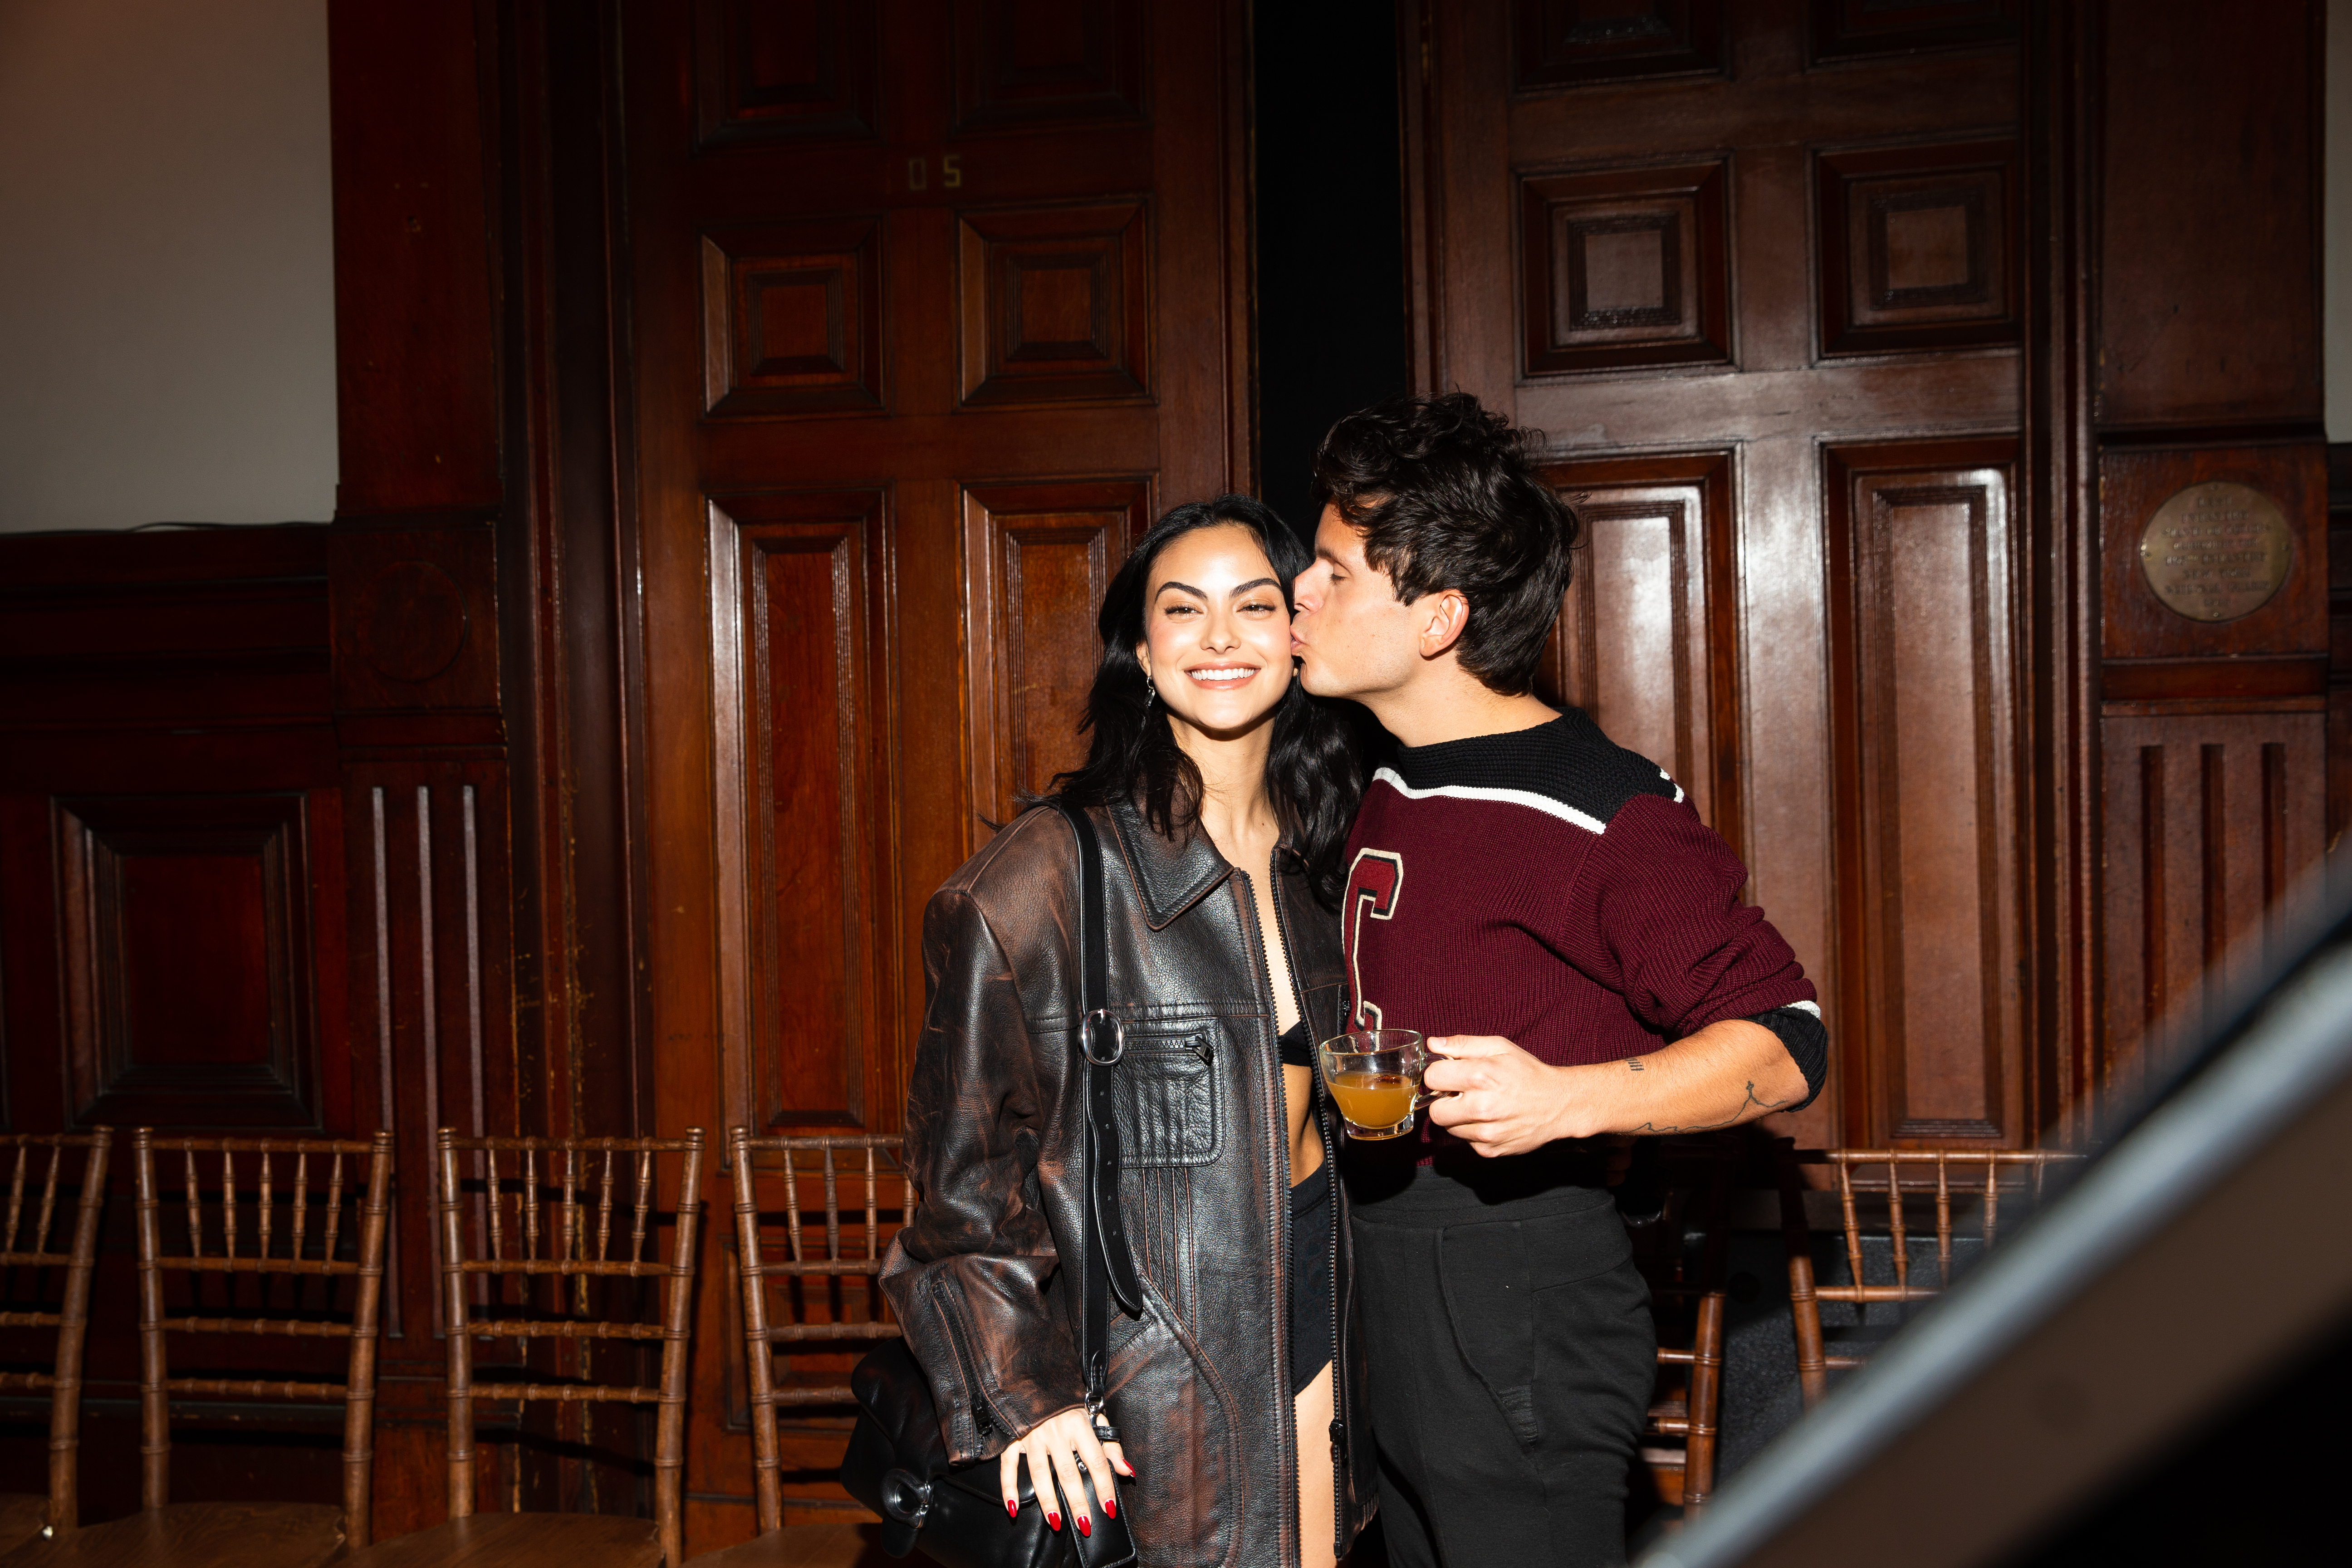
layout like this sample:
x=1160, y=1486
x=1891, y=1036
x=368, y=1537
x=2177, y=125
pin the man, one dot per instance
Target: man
x=1546, y=908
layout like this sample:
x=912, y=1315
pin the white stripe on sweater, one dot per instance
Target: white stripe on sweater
x=1527, y=798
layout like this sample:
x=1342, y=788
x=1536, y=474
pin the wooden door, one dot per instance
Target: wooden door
x=1754, y=270
x=935, y=305
x=1800, y=292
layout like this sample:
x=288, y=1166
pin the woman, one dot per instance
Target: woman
x=1221, y=794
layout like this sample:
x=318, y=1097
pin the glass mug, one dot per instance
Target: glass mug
x=1374, y=1077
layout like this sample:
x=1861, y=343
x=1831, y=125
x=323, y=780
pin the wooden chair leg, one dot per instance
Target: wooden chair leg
x=669, y=1432
x=64, y=1403
x=1804, y=1306
x=359, y=1401
x=460, y=1387
x=1705, y=1398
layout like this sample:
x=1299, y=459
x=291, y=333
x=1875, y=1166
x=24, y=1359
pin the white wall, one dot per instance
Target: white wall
x=167, y=344
x=2337, y=324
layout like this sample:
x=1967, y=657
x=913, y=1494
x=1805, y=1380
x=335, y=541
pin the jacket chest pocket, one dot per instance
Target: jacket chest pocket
x=1165, y=1092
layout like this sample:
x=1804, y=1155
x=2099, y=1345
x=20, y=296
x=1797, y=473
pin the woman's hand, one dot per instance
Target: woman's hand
x=1055, y=1448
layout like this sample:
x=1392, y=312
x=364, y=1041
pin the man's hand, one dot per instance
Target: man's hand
x=1500, y=1099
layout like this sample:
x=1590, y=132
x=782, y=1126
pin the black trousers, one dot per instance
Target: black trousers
x=1512, y=1360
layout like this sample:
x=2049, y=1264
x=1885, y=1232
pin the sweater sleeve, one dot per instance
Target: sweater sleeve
x=1655, y=917
x=971, y=1276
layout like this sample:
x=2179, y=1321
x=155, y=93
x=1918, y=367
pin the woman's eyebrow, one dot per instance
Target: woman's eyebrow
x=1260, y=583
x=1181, y=587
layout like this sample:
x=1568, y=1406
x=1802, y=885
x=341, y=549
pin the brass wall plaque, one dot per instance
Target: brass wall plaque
x=2215, y=552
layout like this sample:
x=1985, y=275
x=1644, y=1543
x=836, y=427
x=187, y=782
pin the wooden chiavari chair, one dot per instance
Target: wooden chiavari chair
x=260, y=1283
x=819, y=1545
x=24, y=1255
x=2019, y=1173
x=573, y=1211
x=1679, y=1439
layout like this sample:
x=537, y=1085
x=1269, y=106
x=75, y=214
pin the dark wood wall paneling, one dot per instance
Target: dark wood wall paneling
x=326, y=829
x=2339, y=645
x=1945, y=300
x=2212, y=734
x=422, y=742
x=174, y=936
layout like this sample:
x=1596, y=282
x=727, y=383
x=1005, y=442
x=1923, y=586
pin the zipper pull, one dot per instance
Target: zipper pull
x=1339, y=1442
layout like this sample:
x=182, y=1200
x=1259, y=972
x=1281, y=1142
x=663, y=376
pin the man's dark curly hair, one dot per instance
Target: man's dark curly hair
x=1447, y=497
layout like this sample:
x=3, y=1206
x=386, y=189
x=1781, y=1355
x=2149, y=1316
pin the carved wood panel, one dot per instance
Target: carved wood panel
x=1919, y=248
x=1647, y=636
x=1037, y=557
x=1926, y=728
x=793, y=319
x=1624, y=267
x=2137, y=626
x=801, y=619
x=1026, y=63
x=415, y=616
x=1055, y=304
x=186, y=951
x=1571, y=43
x=791, y=72
x=1857, y=29
x=2213, y=821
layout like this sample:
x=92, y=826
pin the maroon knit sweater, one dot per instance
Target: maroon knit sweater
x=1551, y=887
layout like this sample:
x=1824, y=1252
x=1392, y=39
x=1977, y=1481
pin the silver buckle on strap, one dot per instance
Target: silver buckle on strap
x=1086, y=1033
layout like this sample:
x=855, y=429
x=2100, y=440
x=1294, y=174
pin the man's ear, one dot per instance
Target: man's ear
x=1445, y=616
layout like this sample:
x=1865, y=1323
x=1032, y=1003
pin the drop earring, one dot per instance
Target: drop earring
x=1150, y=692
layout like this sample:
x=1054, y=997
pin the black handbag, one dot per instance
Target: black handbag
x=897, y=1464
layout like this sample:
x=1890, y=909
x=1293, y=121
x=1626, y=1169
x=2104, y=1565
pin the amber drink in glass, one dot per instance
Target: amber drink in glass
x=1374, y=1077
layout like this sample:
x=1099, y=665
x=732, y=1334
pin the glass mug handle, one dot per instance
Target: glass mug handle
x=1423, y=1097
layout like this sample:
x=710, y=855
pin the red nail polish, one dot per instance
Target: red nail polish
x=1053, y=1520
x=1111, y=1507
x=1012, y=1509
x=1083, y=1528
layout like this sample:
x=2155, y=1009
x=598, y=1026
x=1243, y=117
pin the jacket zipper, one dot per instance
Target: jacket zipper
x=1339, y=1320
x=1282, y=1176
x=1338, y=1433
x=983, y=1418
x=1323, y=1122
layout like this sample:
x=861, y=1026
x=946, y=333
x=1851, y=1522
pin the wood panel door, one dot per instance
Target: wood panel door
x=935, y=303
x=1754, y=270
x=1875, y=344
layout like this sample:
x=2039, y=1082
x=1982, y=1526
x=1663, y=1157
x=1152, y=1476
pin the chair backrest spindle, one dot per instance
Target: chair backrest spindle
x=604, y=1210
x=16, y=1194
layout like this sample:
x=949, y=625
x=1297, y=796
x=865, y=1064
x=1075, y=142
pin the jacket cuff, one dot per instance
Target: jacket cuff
x=980, y=1409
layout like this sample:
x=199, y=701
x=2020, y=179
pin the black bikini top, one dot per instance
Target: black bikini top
x=1294, y=1047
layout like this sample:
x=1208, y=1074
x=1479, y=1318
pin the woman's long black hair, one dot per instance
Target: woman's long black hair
x=1312, y=771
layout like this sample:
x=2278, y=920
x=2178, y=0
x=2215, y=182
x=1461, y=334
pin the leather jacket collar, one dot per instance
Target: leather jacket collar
x=1172, y=875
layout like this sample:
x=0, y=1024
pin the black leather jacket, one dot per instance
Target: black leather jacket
x=1199, y=1385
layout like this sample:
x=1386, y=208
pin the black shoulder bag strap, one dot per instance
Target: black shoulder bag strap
x=1109, y=1269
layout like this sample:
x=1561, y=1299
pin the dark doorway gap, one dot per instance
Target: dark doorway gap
x=1330, y=230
